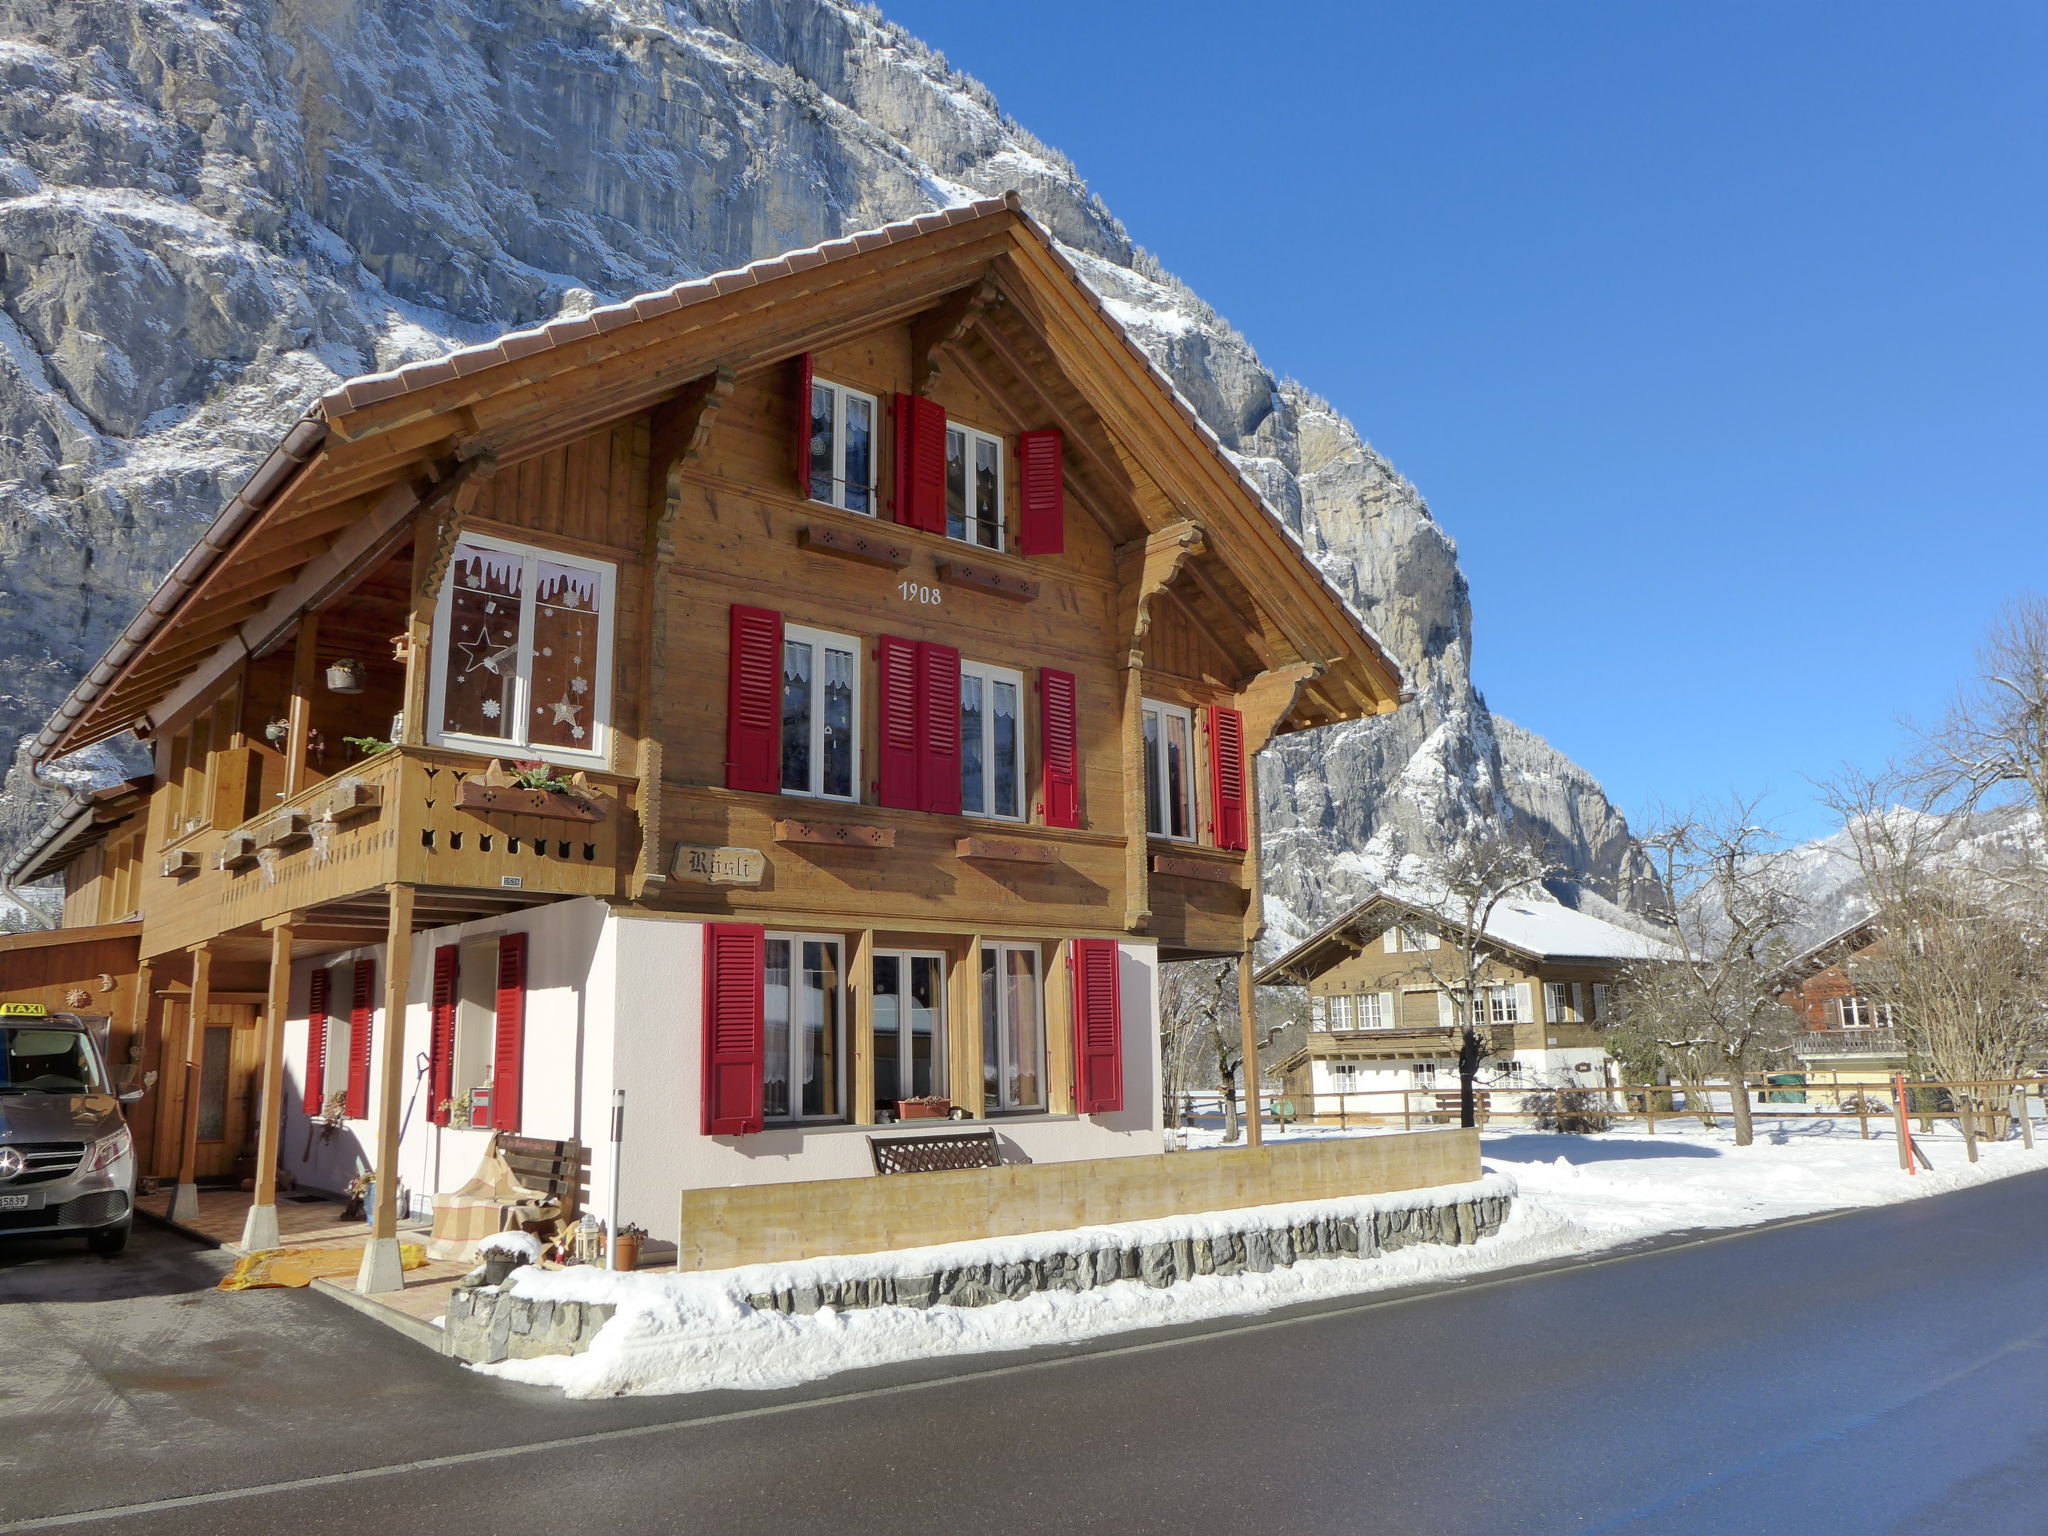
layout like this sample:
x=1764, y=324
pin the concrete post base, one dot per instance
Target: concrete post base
x=382, y=1269
x=259, y=1229
x=185, y=1203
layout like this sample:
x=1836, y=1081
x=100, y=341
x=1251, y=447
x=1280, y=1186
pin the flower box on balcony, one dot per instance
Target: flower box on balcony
x=510, y=800
x=237, y=851
x=284, y=829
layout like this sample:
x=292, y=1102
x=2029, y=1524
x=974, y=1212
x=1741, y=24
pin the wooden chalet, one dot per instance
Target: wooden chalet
x=1383, y=1010
x=889, y=647
x=1845, y=1034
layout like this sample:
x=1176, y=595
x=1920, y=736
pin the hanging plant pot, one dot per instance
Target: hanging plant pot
x=345, y=676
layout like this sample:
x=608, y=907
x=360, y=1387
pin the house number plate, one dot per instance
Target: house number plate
x=718, y=866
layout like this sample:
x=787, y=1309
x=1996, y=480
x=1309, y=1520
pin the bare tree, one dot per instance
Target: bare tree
x=1199, y=1034
x=1734, y=911
x=1465, y=886
x=1994, y=736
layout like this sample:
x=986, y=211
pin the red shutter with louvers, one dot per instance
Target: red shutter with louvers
x=938, y=712
x=316, y=1045
x=898, y=736
x=1059, y=739
x=802, y=415
x=1227, y=777
x=1098, y=1028
x=360, y=1014
x=508, y=1055
x=1041, y=493
x=753, y=716
x=733, y=973
x=921, y=463
x=441, y=1039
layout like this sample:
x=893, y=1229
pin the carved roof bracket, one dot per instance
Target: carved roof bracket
x=939, y=328
x=446, y=507
x=679, y=429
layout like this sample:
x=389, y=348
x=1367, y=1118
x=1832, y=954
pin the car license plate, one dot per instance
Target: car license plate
x=33, y=1202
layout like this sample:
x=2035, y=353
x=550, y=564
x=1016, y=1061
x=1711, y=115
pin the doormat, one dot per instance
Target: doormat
x=302, y=1266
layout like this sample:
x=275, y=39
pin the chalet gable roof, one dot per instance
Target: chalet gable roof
x=1539, y=931
x=372, y=453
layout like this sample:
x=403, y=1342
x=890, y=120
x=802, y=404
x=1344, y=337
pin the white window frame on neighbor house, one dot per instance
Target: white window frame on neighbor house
x=834, y=488
x=1400, y=941
x=820, y=641
x=796, y=1034
x=971, y=440
x=999, y=1027
x=518, y=740
x=1372, y=1011
x=989, y=678
x=1344, y=1076
x=1159, y=817
x=1501, y=1004
x=1560, y=1003
x=1340, y=1011
x=1856, y=1011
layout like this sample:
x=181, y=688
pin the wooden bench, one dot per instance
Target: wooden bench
x=558, y=1170
x=933, y=1154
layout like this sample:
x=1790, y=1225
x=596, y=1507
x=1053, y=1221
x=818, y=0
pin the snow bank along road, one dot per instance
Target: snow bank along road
x=1879, y=1371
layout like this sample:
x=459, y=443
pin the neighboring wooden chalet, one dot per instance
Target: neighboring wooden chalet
x=892, y=645
x=1846, y=1035
x=1383, y=1014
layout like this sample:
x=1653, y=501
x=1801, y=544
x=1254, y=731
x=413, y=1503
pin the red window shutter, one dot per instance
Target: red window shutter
x=1098, y=1028
x=508, y=1057
x=1227, y=777
x=360, y=1014
x=921, y=463
x=804, y=377
x=896, y=767
x=1041, y=493
x=316, y=1045
x=734, y=957
x=441, y=1049
x=938, y=712
x=753, y=718
x=1059, y=738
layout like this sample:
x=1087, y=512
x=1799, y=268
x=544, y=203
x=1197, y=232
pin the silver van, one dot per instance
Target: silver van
x=67, y=1160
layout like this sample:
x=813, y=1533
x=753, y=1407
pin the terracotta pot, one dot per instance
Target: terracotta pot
x=626, y=1250
x=931, y=1109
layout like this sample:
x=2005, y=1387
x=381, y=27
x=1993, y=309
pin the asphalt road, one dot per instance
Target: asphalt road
x=1877, y=1372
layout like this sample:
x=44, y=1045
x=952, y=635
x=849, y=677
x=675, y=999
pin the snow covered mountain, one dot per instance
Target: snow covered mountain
x=211, y=212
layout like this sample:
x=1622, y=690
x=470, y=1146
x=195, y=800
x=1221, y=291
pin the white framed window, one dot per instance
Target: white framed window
x=842, y=447
x=1344, y=1076
x=1406, y=939
x=974, y=486
x=523, y=643
x=910, y=1026
x=1500, y=1005
x=476, y=1018
x=991, y=741
x=1423, y=1073
x=1012, y=1028
x=820, y=713
x=803, y=1016
x=1340, y=1011
x=1559, y=1003
x=1372, y=1010
x=1169, y=771
x=1861, y=1013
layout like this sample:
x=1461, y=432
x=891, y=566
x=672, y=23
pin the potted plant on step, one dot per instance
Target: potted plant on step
x=626, y=1246
x=930, y=1106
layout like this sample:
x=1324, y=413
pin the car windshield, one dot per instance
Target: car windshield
x=41, y=1060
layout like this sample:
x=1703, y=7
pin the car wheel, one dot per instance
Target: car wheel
x=109, y=1240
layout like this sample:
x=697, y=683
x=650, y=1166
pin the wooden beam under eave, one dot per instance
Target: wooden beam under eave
x=1026, y=373
x=945, y=325
x=933, y=263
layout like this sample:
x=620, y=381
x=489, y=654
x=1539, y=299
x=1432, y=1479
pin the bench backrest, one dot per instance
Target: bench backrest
x=931, y=1154
x=559, y=1169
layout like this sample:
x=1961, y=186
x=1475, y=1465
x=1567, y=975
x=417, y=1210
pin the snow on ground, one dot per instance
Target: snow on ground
x=1578, y=1196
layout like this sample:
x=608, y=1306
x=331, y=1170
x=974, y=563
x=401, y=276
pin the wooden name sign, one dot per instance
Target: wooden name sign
x=717, y=866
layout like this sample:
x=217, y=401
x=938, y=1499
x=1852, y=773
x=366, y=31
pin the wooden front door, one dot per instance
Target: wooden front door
x=230, y=1064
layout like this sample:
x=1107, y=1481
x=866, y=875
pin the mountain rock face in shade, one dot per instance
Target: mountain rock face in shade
x=209, y=214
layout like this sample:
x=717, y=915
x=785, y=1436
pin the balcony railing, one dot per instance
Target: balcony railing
x=1850, y=1042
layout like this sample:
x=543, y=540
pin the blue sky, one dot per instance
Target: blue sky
x=1715, y=333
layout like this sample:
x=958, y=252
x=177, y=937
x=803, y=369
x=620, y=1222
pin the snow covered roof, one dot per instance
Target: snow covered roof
x=1530, y=926
x=99, y=706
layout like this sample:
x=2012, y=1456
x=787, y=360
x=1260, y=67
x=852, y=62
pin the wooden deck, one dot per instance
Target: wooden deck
x=314, y=1221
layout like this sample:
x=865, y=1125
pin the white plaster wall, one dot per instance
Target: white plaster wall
x=563, y=939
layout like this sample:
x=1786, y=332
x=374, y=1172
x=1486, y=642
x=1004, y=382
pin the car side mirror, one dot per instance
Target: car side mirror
x=133, y=1096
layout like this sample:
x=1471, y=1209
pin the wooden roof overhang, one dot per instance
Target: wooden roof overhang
x=350, y=479
x=83, y=821
x=1348, y=935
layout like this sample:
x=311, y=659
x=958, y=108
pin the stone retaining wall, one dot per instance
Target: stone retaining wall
x=485, y=1325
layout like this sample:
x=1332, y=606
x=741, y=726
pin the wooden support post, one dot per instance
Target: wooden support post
x=963, y=1031
x=382, y=1268
x=305, y=677
x=259, y=1228
x=861, y=984
x=1248, y=1042
x=185, y=1202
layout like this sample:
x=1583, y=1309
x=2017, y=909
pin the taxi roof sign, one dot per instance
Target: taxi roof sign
x=23, y=1011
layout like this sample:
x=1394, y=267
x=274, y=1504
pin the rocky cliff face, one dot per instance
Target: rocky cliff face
x=210, y=214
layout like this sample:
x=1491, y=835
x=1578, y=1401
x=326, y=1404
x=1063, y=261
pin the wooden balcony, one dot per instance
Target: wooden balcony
x=412, y=815
x=1839, y=1043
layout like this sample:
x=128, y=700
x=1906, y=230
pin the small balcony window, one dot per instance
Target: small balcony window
x=523, y=642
